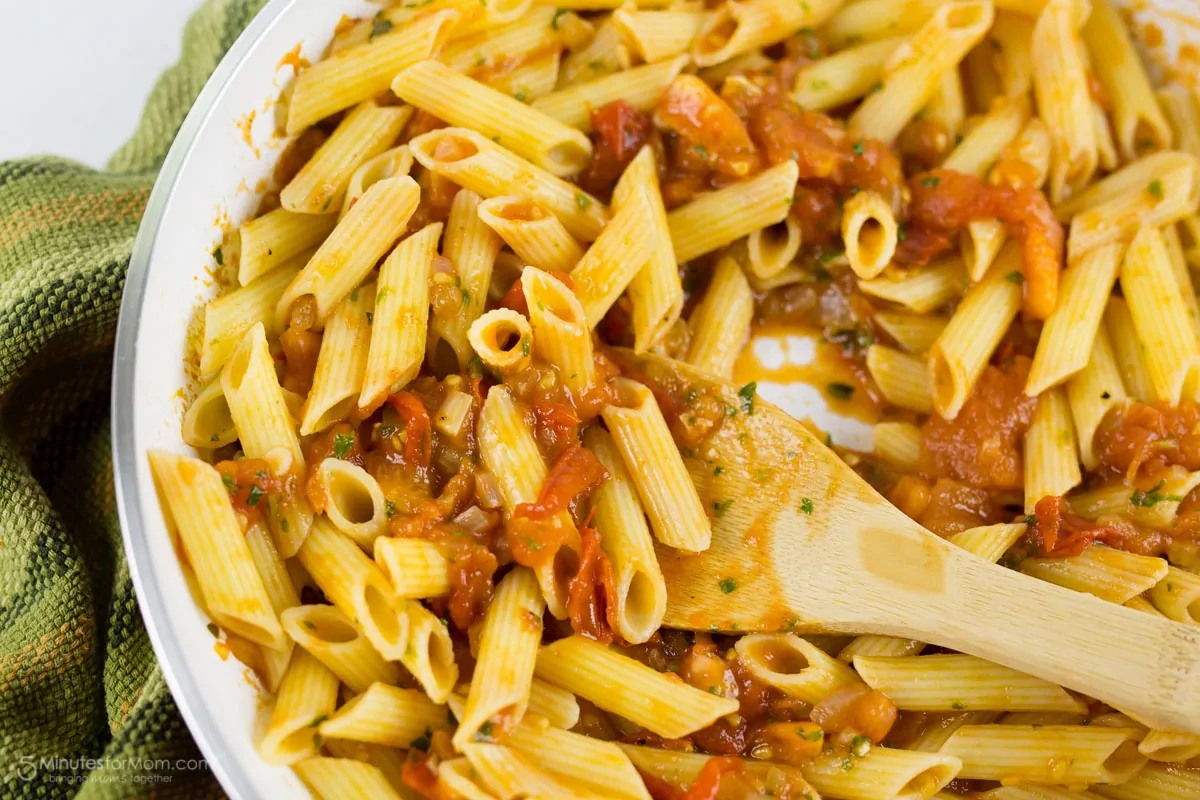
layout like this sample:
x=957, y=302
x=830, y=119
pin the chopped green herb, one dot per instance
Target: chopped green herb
x=860, y=745
x=747, y=395
x=583, y=202
x=521, y=95
x=806, y=506
x=227, y=479
x=930, y=181
x=328, y=203
x=214, y=630
x=717, y=470
x=842, y=391
x=317, y=720
x=700, y=150
x=878, y=87
x=308, y=623
x=596, y=64
x=354, y=296
x=1155, y=188
x=958, y=705
x=524, y=346
x=389, y=508
x=558, y=12
x=219, y=255
x=1140, y=499
x=386, y=431
x=342, y=442
x=828, y=255
x=484, y=733
x=852, y=340
x=847, y=763
x=901, y=232
x=317, y=740
x=475, y=367
x=382, y=294
x=721, y=506
x=858, y=148
x=216, y=437
x=819, y=85
x=283, y=524
x=1029, y=519
x=812, y=736
x=255, y=495
x=727, y=585
x=1015, y=277
x=370, y=318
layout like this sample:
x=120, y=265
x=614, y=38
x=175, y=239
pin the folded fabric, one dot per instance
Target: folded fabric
x=84, y=708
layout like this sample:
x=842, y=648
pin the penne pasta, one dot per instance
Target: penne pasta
x=869, y=231
x=615, y=257
x=1061, y=754
x=208, y=423
x=1060, y=85
x=415, y=568
x=534, y=234
x=229, y=317
x=629, y=688
x=640, y=87
x=1112, y=575
x=277, y=238
x=386, y=715
x=306, y=696
x=1051, y=450
x=920, y=290
x=1092, y=393
x=902, y=379
x=330, y=637
x=341, y=361
x=560, y=331
x=344, y=779
x=391, y=163
x=738, y=26
x=843, y=76
x=503, y=340
x=720, y=324
x=793, y=665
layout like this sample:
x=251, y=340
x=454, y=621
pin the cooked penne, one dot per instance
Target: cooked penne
x=344, y=779
x=1155, y=782
x=361, y=72
x=455, y=98
x=508, y=648
x=956, y=682
x=629, y=688
x=282, y=594
x=1136, y=116
x=1065, y=345
x=595, y=765
x=720, y=324
x=341, y=361
x=386, y=715
x=657, y=35
x=962, y=351
x=534, y=234
x=560, y=331
x=556, y=705
x=605, y=54
x=1062, y=754
x=656, y=291
x=208, y=423
x=320, y=185
x=1152, y=292
x=429, y=655
x=882, y=772
x=921, y=290
x=1112, y=575
x=843, y=76
x=233, y=589
x=876, y=19
x=915, y=334
x=1128, y=350
x=354, y=502
x=989, y=542
x=1013, y=35
x=870, y=233
x=507, y=773
x=721, y=217
x=1177, y=595
x=663, y=484
x=640, y=87
x=356, y=587
x=1155, y=507
x=306, y=696
x=898, y=443
x=398, y=330
x=1182, y=111
x=1170, y=746
x=265, y=426
x=615, y=257
x=1051, y=450
x=229, y=317
x=336, y=642
x=1092, y=392
x=472, y=247
x=870, y=645
x=901, y=378
x=479, y=164
x=912, y=73
x=986, y=142
x=793, y=665
x=1060, y=85
x=770, y=251
x=531, y=33
x=388, y=164
x=738, y=26
x=360, y=239
x=415, y=568
x=279, y=237
x=503, y=340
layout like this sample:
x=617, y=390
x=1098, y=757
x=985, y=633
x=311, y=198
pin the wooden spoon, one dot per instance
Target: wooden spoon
x=802, y=543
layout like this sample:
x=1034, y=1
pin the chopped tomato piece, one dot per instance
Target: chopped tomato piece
x=711, y=130
x=471, y=574
x=575, y=474
x=708, y=782
x=1057, y=533
x=417, y=427
x=250, y=482
x=621, y=131
x=418, y=775
x=858, y=709
x=533, y=542
x=591, y=593
x=557, y=424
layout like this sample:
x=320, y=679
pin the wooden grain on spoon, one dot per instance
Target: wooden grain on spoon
x=802, y=543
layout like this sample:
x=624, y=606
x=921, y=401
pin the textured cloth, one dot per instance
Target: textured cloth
x=84, y=709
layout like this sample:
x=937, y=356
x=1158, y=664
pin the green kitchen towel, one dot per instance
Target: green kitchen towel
x=84, y=709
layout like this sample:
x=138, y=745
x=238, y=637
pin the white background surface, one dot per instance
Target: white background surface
x=77, y=72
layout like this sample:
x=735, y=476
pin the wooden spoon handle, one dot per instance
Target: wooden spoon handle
x=1137, y=662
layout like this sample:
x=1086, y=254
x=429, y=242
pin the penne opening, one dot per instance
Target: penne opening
x=779, y=656
x=244, y=629
x=641, y=603
x=238, y=366
x=772, y=249
x=208, y=421
x=720, y=32
x=383, y=614
x=517, y=210
x=967, y=16
x=943, y=385
x=331, y=631
x=351, y=498
x=568, y=157
x=1123, y=762
x=1147, y=137
x=291, y=747
x=449, y=148
x=927, y=782
x=1172, y=753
